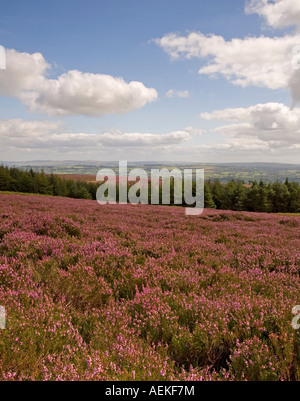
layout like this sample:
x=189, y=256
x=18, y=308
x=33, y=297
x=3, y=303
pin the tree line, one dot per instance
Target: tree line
x=17, y=180
x=275, y=197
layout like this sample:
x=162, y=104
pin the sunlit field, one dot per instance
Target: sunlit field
x=146, y=293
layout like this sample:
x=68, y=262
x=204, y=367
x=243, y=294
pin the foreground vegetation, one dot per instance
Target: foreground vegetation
x=121, y=292
x=257, y=197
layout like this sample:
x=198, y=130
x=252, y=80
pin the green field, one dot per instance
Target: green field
x=268, y=172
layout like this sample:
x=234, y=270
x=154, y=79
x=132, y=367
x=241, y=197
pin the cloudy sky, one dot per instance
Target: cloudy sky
x=159, y=80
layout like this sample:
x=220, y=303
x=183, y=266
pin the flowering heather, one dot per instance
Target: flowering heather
x=145, y=293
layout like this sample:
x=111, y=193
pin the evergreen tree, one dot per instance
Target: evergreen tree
x=279, y=197
x=217, y=193
x=43, y=184
x=239, y=197
x=208, y=198
x=228, y=199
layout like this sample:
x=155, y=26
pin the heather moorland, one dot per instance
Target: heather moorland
x=144, y=292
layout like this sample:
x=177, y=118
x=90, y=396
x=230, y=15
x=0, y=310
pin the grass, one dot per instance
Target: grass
x=21, y=193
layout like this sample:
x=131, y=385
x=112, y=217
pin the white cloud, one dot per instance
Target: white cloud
x=23, y=73
x=29, y=136
x=277, y=13
x=71, y=93
x=248, y=139
x=181, y=94
x=262, y=61
x=271, y=126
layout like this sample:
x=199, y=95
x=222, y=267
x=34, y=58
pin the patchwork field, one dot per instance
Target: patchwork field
x=79, y=177
x=145, y=293
x=225, y=172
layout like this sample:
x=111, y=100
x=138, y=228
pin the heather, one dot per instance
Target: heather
x=125, y=292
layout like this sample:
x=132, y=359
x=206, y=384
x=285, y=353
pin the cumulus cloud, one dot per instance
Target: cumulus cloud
x=19, y=135
x=181, y=94
x=270, y=62
x=261, y=61
x=277, y=13
x=271, y=126
x=268, y=132
x=72, y=93
x=24, y=72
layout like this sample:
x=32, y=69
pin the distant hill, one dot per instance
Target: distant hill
x=268, y=172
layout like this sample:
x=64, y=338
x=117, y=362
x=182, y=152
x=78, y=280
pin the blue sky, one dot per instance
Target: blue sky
x=172, y=116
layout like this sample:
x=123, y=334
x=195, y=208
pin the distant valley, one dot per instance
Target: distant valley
x=268, y=172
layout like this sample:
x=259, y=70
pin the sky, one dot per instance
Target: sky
x=160, y=80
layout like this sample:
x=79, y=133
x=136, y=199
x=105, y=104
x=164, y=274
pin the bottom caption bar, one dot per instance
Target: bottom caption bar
x=137, y=390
